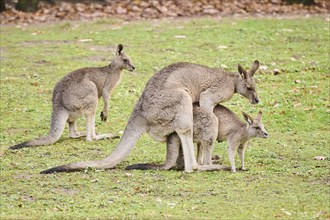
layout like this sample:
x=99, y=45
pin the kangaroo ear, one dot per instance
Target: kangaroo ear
x=119, y=49
x=242, y=71
x=259, y=116
x=254, y=68
x=247, y=118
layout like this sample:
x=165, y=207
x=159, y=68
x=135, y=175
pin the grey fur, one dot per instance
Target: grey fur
x=230, y=128
x=237, y=133
x=165, y=106
x=77, y=94
x=205, y=132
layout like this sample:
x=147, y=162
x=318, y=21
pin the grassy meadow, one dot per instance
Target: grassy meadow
x=284, y=181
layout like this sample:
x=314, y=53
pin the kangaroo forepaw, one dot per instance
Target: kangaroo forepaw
x=103, y=116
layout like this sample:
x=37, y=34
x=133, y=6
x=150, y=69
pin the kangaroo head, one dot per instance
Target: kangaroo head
x=256, y=127
x=247, y=85
x=121, y=60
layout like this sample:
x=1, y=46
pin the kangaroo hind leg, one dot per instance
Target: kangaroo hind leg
x=183, y=126
x=173, y=146
x=73, y=132
x=232, y=148
x=91, y=133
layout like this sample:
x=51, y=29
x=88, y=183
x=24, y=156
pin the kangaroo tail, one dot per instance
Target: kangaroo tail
x=174, y=156
x=134, y=129
x=57, y=126
x=145, y=166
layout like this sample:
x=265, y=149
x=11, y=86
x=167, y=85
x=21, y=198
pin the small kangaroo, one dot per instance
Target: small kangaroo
x=230, y=129
x=237, y=133
x=165, y=106
x=205, y=133
x=77, y=94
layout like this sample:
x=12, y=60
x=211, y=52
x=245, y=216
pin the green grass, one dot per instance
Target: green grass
x=284, y=180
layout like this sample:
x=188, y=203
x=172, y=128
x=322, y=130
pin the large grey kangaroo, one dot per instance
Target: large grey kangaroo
x=165, y=106
x=77, y=94
x=230, y=128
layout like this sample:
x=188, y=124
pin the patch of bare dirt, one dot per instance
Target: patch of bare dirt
x=65, y=191
x=47, y=42
x=103, y=48
x=24, y=176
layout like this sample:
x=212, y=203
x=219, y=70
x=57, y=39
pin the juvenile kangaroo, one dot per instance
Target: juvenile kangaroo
x=165, y=106
x=230, y=129
x=205, y=132
x=77, y=94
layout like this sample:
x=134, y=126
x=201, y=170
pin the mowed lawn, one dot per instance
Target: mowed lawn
x=284, y=179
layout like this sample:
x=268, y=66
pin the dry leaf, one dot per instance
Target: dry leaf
x=263, y=67
x=310, y=108
x=85, y=40
x=180, y=36
x=276, y=71
x=194, y=207
x=129, y=174
x=287, y=30
x=222, y=47
x=320, y=158
x=286, y=212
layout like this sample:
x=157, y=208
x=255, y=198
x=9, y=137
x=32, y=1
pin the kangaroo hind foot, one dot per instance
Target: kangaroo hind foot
x=105, y=136
x=213, y=167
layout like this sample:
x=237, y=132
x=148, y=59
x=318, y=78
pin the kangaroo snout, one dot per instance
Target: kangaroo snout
x=255, y=101
x=266, y=135
x=132, y=68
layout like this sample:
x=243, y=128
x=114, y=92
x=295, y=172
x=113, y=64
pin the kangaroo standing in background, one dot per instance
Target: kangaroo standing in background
x=165, y=106
x=230, y=129
x=77, y=94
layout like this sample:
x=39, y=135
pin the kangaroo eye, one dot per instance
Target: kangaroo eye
x=125, y=60
x=249, y=89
